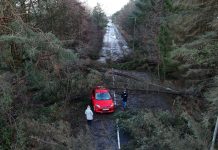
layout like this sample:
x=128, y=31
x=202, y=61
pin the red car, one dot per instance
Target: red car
x=101, y=100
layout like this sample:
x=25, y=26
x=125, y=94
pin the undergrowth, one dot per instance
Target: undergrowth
x=161, y=130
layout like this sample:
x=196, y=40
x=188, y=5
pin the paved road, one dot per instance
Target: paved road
x=104, y=132
x=104, y=127
x=114, y=45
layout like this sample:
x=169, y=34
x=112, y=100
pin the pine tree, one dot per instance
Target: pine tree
x=99, y=17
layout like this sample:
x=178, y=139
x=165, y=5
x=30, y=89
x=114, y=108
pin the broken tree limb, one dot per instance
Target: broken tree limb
x=143, y=85
x=118, y=73
x=181, y=93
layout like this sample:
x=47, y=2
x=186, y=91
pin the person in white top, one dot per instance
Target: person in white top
x=89, y=115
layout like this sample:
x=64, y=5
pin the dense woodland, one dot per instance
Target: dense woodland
x=45, y=47
x=178, y=40
x=48, y=48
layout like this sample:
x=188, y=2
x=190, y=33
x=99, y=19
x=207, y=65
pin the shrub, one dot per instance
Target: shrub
x=161, y=130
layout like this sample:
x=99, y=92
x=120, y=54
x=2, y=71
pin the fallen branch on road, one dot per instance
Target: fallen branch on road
x=181, y=93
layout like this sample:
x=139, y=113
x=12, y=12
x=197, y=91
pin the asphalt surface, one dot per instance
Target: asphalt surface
x=114, y=45
x=103, y=130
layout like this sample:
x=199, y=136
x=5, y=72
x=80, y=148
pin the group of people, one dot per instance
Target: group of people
x=89, y=113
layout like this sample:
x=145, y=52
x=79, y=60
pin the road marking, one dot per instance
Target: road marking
x=118, y=134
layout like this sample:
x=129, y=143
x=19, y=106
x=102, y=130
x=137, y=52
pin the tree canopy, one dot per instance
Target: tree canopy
x=99, y=17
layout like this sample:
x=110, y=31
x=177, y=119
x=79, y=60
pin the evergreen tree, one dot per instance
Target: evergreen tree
x=143, y=9
x=99, y=17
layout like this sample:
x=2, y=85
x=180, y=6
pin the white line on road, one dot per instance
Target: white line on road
x=118, y=134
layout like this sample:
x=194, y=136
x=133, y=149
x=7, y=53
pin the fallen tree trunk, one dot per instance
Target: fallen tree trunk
x=180, y=93
x=147, y=86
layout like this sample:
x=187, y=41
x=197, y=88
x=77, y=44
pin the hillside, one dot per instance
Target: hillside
x=45, y=48
x=183, y=37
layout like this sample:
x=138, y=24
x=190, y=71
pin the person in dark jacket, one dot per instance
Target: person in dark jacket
x=124, y=97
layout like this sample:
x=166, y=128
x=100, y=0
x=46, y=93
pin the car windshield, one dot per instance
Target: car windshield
x=102, y=96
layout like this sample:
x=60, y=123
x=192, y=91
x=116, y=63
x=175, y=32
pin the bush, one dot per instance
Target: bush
x=161, y=130
x=6, y=133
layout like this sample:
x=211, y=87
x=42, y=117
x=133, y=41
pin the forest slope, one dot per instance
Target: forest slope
x=182, y=34
x=44, y=66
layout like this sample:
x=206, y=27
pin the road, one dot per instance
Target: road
x=103, y=132
x=114, y=45
x=103, y=129
x=104, y=126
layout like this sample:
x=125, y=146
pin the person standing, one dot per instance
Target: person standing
x=124, y=97
x=89, y=115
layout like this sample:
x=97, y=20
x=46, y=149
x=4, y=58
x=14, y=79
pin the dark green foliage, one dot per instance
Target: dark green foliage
x=143, y=9
x=165, y=44
x=209, y=119
x=159, y=130
x=168, y=5
x=165, y=41
x=135, y=64
x=38, y=76
x=99, y=17
x=140, y=20
x=187, y=42
x=6, y=99
x=198, y=51
x=49, y=69
x=5, y=135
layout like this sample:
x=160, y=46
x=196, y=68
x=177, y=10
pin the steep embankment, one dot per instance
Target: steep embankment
x=185, y=35
x=45, y=71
